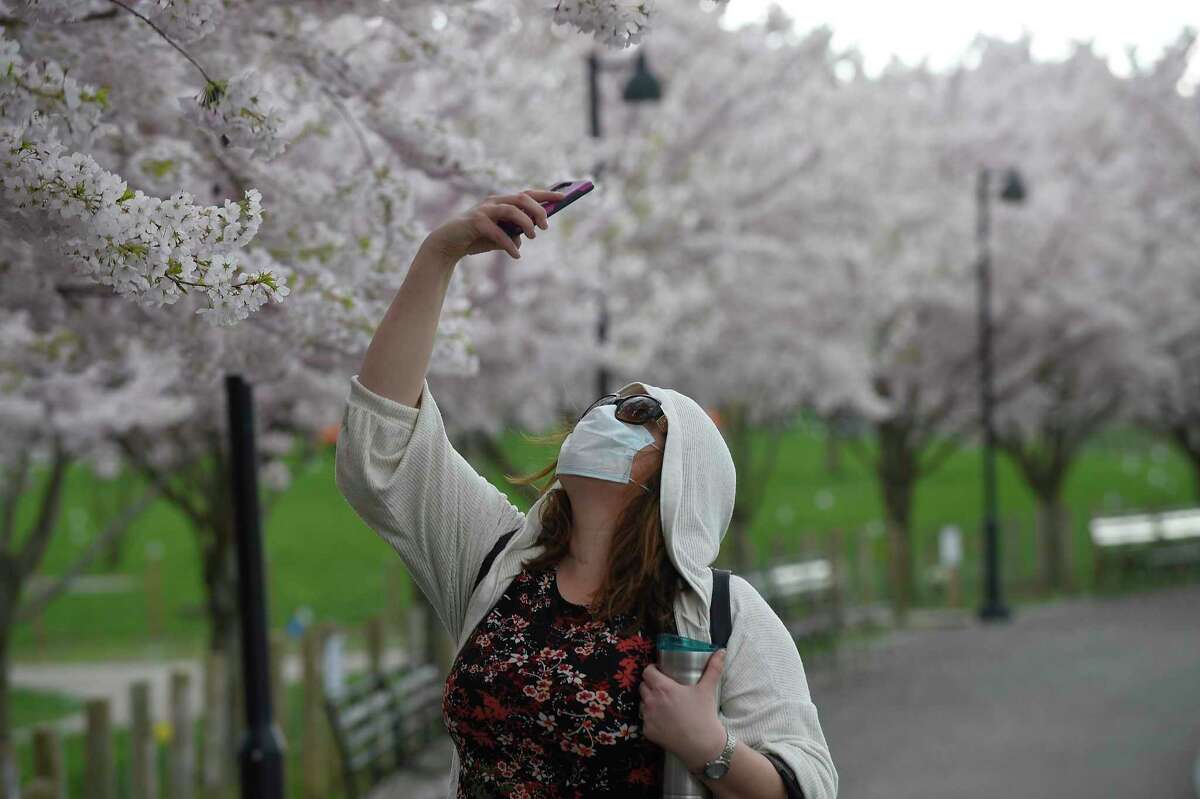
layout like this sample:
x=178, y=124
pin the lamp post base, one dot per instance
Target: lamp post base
x=994, y=613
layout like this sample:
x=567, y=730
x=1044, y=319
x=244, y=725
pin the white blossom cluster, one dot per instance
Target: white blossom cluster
x=184, y=20
x=147, y=248
x=237, y=109
x=614, y=23
x=51, y=11
x=26, y=87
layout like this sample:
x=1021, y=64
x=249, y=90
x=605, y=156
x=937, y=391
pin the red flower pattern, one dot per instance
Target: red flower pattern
x=543, y=701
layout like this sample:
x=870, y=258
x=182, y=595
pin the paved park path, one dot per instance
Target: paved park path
x=1079, y=698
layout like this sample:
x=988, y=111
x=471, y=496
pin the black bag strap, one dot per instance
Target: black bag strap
x=491, y=556
x=721, y=626
x=720, y=622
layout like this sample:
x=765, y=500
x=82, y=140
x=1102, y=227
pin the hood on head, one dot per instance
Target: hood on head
x=697, y=492
x=697, y=488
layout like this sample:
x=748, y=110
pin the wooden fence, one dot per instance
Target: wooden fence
x=193, y=755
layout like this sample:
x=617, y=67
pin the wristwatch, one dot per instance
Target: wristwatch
x=717, y=768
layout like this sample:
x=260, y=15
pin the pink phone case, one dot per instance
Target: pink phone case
x=574, y=190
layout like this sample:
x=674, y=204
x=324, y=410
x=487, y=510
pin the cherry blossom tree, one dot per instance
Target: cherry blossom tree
x=64, y=394
x=317, y=130
x=1163, y=130
x=1068, y=262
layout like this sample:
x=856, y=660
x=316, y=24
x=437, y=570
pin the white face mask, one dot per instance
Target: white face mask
x=602, y=446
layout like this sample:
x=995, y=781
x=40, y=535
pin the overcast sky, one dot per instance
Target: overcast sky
x=941, y=29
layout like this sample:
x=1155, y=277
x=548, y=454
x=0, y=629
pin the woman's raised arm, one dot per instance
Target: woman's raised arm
x=394, y=464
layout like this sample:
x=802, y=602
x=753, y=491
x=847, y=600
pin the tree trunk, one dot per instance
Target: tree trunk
x=897, y=473
x=833, y=451
x=114, y=553
x=897, y=502
x=739, y=525
x=1181, y=436
x=1045, y=475
x=736, y=430
x=220, y=584
x=1051, y=516
x=10, y=787
x=1193, y=456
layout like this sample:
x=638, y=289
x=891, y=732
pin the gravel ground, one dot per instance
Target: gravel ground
x=1079, y=698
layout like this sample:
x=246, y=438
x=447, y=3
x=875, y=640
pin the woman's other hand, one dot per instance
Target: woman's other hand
x=683, y=719
x=477, y=230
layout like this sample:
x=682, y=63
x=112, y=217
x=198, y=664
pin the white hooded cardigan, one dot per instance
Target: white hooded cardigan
x=398, y=471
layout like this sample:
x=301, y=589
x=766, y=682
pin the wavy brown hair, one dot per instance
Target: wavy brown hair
x=641, y=582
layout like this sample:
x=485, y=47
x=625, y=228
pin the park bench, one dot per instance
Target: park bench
x=1149, y=540
x=382, y=724
x=804, y=594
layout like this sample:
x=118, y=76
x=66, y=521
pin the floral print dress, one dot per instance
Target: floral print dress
x=543, y=701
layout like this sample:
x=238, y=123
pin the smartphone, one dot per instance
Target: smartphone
x=574, y=190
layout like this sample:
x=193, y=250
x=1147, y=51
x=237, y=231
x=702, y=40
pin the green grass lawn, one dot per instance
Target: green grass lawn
x=320, y=555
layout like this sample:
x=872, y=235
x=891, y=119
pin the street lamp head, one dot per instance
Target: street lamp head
x=643, y=85
x=1014, y=187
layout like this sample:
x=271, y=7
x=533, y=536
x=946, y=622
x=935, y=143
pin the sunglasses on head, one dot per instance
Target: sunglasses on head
x=632, y=408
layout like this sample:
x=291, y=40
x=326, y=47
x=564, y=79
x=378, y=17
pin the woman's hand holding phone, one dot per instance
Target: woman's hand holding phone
x=477, y=230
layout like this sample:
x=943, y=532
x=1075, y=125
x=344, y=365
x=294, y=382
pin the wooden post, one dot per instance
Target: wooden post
x=40, y=788
x=375, y=635
x=1011, y=557
x=954, y=586
x=182, y=754
x=838, y=569
x=279, y=652
x=314, y=742
x=216, y=729
x=779, y=550
x=1067, y=529
x=142, y=760
x=414, y=634
x=100, y=781
x=431, y=635
x=394, y=599
x=444, y=652
x=48, y=762
x=866, y=568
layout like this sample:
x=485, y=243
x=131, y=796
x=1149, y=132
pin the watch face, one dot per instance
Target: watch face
x=715, y=771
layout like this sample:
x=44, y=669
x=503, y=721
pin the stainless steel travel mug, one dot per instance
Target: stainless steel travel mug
x=683, y=660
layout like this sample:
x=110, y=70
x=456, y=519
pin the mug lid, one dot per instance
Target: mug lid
x=679, y=642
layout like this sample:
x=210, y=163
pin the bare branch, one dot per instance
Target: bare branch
x=14, y=486
x=39, y=535
x=945, y=449
x=181, y=501
x=30, y=609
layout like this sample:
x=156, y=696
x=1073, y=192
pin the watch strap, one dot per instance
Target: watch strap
x=726, y=756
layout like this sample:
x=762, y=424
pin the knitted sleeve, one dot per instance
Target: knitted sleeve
x=398, y=471
x=765, y=696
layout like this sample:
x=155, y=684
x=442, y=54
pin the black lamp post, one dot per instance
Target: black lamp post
x=641, y=87
x=261, y=753
x=993, y=608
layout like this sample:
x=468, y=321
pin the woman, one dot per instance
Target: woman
x=554, y=691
